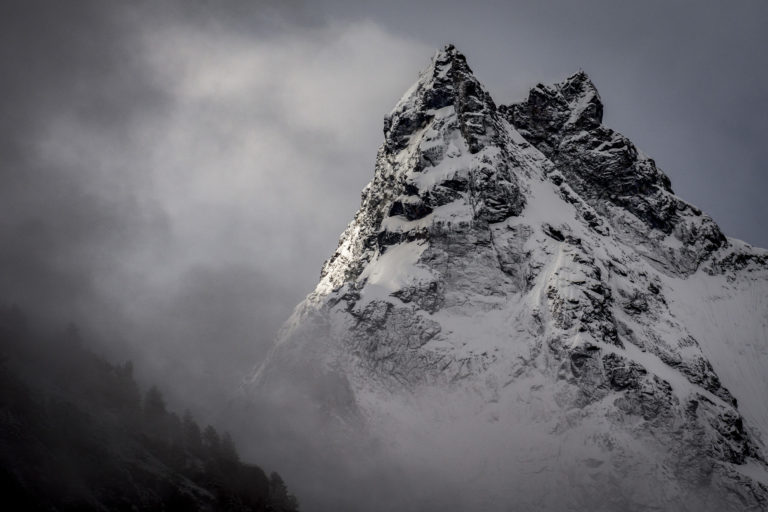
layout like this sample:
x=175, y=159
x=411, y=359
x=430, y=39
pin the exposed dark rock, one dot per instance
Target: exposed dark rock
x=564, y=121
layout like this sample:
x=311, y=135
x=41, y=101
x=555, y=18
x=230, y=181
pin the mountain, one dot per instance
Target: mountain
x=524, y=316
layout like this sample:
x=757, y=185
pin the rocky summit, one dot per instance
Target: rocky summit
x=523, y=310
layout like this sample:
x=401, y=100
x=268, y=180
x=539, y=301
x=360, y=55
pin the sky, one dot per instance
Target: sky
x=173, y=175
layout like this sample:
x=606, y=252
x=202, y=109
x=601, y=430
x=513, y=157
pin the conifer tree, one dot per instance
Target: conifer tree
x=211, y=442
x=228, y=450
x=192, y=438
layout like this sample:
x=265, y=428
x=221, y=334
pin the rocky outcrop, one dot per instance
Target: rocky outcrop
x=605, y=169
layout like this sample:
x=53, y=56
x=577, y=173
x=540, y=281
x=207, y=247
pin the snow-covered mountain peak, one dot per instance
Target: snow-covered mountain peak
x=447, y=82
x=446, y=162
x=525, y=267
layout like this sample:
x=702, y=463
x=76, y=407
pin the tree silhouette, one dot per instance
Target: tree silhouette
x=228, y=451
x=154, y=403
x=279, y=498
x=191, y=431
x=211, y=442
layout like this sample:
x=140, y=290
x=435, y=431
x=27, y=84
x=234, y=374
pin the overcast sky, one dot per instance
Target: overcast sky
x=173, y=177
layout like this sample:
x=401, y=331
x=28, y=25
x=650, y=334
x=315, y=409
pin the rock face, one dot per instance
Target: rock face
x=522, y=291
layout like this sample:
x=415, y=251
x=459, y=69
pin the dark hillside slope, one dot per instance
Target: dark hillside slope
x=76, y=434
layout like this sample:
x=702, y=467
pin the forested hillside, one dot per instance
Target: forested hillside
x=77, y=433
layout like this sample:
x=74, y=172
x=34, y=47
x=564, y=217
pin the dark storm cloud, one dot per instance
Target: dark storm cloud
x=81, y=67
x=80, y=213
x=55, y=231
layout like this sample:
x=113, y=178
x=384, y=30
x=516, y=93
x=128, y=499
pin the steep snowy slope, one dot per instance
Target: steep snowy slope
x=522, y=296
x=725, y=306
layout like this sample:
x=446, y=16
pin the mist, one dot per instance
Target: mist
x=173, y=176
x=174, y=183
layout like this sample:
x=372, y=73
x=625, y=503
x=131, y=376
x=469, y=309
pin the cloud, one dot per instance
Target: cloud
x=181, y=216
x=267, y=142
